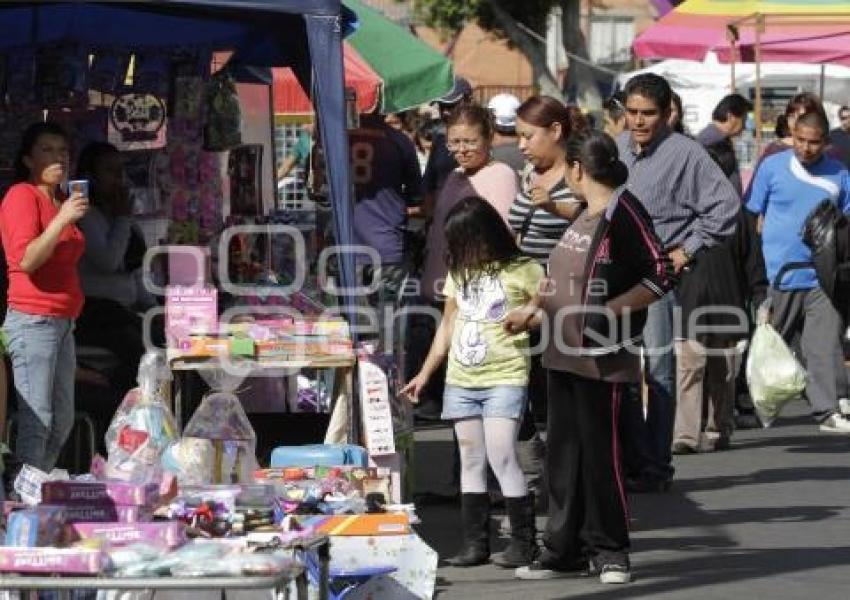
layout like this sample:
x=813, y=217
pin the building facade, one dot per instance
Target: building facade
x=491, y=65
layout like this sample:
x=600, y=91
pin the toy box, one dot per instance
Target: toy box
x=69, y=561
x=39, y=526
x=365, y=524
x=190, y=309
x=164, y=534
x=107, y=492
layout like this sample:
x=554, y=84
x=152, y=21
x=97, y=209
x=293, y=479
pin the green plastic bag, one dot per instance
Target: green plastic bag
x=774, y=374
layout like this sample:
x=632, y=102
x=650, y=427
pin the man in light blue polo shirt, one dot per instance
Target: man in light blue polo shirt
x=786, y=188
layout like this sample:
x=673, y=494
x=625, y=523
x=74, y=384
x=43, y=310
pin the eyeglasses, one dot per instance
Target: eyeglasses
x=455, y=145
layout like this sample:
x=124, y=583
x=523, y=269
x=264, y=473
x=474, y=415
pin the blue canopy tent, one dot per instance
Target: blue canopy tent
x=262, y=33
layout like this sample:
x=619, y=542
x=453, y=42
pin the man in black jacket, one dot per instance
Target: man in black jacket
x=728, y=121
x=725, y=279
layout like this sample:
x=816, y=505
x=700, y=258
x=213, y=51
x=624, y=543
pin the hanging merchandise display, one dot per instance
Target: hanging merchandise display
x=188, y=177
x=222, y=131
x=244, y=170
x=137, y=122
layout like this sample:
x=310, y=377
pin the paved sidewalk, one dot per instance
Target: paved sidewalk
x=769, y=519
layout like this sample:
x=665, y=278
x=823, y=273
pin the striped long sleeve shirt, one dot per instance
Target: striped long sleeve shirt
x=690, y=200
x=538, y=229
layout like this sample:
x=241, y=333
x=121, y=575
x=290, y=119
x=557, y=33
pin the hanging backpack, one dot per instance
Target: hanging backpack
x=222, y=130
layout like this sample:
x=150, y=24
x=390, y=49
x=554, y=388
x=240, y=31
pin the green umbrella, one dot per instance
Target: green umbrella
x=412, y=71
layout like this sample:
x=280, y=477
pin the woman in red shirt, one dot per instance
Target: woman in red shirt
x=42, y=246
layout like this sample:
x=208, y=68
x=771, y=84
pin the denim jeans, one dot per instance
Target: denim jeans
x=389, y=279
x=43, y=364
x=658, y=336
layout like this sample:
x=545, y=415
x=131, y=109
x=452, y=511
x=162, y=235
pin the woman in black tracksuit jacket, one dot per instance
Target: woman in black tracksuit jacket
x=604, y=272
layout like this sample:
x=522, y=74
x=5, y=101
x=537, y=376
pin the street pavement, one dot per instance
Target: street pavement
x=768, y=519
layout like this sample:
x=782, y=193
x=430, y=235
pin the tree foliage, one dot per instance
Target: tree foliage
x=451, y=15
x=505, y=18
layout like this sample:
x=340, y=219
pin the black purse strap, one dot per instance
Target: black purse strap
x=787, y=268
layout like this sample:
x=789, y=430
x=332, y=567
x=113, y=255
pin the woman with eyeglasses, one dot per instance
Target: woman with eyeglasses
x=469, y=137
x=111, y=268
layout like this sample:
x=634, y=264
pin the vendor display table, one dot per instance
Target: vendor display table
x=279, y=583
x=343, y=427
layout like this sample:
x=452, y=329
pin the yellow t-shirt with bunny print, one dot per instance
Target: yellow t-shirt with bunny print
x=482, y=353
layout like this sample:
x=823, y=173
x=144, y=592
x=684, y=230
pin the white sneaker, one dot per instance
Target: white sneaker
x=844, y=406
x=615, y=574
x=836, y=423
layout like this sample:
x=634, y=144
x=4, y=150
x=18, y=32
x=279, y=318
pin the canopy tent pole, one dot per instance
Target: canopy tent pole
x=822, y=80
x=733, y=85
x=757, y=113
x=273, y=150
x=326, y=49
x=732, y=36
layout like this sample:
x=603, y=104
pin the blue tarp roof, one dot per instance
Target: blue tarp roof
x=270, y=32
x=297, y=33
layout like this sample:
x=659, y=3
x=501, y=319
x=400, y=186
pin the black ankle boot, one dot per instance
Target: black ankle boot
x=523, y=549
x=475, y=510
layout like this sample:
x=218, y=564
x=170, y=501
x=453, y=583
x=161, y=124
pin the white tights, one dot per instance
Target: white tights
x=494, y=440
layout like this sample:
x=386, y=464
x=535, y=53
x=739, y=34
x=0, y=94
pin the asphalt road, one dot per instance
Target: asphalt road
x=768, y=519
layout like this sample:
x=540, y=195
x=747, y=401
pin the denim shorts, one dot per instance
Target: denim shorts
x=500, y=401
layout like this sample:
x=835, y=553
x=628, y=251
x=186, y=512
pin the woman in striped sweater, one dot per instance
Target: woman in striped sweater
x=543, y=209
x=545, y=205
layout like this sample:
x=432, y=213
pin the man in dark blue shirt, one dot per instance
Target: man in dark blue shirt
x=385, y=173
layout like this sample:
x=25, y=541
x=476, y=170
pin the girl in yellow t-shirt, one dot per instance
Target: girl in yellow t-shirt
x=487, y=373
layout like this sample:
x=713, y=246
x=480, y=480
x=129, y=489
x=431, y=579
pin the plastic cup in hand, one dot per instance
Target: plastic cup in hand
x=79, y=186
